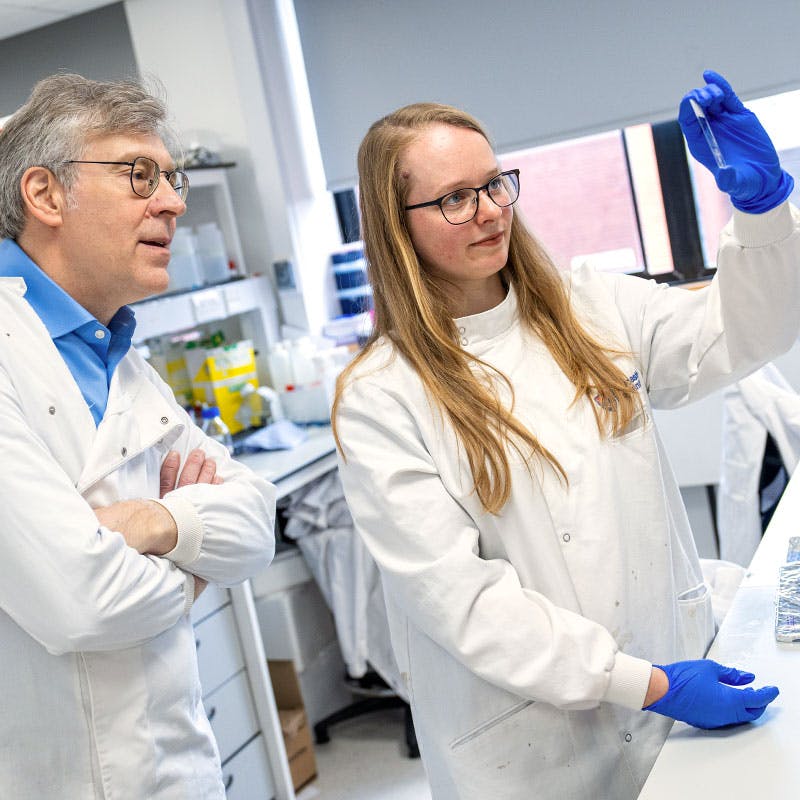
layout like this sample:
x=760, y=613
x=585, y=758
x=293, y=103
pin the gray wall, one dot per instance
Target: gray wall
x=96, y=44
x=533, y=71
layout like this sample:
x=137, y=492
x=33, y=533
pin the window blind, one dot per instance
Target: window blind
x=533, y=71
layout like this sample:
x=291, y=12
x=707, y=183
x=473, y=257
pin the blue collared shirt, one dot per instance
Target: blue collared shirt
x=91, y=350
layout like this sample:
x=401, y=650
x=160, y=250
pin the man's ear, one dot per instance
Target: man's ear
x=43, y=195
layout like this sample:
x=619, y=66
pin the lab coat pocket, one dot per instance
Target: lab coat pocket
x=695, y=621
x=519, y=752
x=487, y=725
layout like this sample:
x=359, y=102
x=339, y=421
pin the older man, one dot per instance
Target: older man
x=116, y=509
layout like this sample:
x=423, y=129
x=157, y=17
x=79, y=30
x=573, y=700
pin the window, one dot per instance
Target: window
x=631, y=200
x=596, y=199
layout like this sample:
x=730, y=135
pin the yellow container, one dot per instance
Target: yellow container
x=217, y=377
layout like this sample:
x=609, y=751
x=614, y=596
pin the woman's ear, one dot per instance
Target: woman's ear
x=43, y=195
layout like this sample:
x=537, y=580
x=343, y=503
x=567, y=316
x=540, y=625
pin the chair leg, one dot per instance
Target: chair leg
x=411, y=734
x=353, y=710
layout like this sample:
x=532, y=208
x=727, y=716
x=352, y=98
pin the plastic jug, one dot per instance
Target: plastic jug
x=280, y=367
x=213, y=256
x=184, y=265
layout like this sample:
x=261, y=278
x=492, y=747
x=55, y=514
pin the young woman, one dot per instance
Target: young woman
x=499, y=458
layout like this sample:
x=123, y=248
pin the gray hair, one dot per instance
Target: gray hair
x=62, y=115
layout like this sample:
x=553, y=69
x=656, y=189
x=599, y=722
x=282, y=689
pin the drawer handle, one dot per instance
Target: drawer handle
x=228, y=782
x=212, y=713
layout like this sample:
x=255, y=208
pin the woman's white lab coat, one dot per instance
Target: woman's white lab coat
x=526, y=639
x=100, y=694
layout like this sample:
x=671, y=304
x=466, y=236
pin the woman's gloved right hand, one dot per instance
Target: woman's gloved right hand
x=753, y=176
x=703, y=694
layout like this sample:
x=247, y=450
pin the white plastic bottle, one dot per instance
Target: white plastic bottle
x=212, y=252
x=280, y=367
x=303, y=366
x=184, y=265
x=213, y=427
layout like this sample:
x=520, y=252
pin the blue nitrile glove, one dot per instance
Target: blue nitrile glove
x=702, y=694
x=753, y=176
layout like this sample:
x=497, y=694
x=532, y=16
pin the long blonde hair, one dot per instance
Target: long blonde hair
x=412, y=311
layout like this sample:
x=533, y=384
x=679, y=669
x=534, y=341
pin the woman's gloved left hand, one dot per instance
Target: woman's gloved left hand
x=752, y=176
x=704, y=694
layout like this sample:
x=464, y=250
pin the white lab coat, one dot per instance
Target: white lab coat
x=526, y=639
x=761, y=403
x=100, y=694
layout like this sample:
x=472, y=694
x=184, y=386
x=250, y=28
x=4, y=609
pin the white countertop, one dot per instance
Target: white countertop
x=291, y=469
x=762, y=759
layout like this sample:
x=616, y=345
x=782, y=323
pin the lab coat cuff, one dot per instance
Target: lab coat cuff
x=758, y=230
x=190, y=529
x=629, y=679
x=189, y=589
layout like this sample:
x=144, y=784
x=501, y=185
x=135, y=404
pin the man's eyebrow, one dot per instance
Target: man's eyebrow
x=131, y=156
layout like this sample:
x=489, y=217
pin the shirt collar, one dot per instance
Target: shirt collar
x=477, y=329
x=123, y=323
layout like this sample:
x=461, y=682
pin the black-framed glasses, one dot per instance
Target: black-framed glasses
x=145, y=175
x=461, y=205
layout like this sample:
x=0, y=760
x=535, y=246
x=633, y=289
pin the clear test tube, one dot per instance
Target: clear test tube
x=702, y=121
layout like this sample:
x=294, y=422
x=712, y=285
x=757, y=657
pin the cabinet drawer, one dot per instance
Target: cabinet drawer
x=212, y=598
x=218, y=652
x=231, y=714
x=246, y=776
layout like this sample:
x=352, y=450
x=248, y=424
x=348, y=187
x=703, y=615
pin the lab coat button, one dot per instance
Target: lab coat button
x=164, y=420
x=124, y=451
x=628, y=737
x=52, y=409
x=566, y=537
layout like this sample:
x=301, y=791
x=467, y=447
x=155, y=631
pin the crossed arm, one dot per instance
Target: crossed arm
x=146, y=525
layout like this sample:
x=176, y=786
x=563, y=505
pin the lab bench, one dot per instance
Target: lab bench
x=760, y=759
x=237, y=693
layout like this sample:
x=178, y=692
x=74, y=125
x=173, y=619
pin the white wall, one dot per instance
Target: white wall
x=232, y=81
x=212, y=84
x=103, y=52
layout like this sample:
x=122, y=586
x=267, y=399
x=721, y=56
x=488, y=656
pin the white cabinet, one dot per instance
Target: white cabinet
x=210, y=201
x=237, y=696
x=232, y=715
x=245, y=775
x=219, y=655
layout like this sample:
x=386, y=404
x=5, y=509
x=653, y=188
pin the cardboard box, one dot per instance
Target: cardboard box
x=294, y=722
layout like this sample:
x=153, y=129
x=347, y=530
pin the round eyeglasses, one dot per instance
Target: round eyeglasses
x=146, y=174
x=461, y=205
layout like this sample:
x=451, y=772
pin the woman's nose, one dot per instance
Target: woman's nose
x=487, y=208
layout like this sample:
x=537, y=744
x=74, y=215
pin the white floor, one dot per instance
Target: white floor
x=366, y=759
